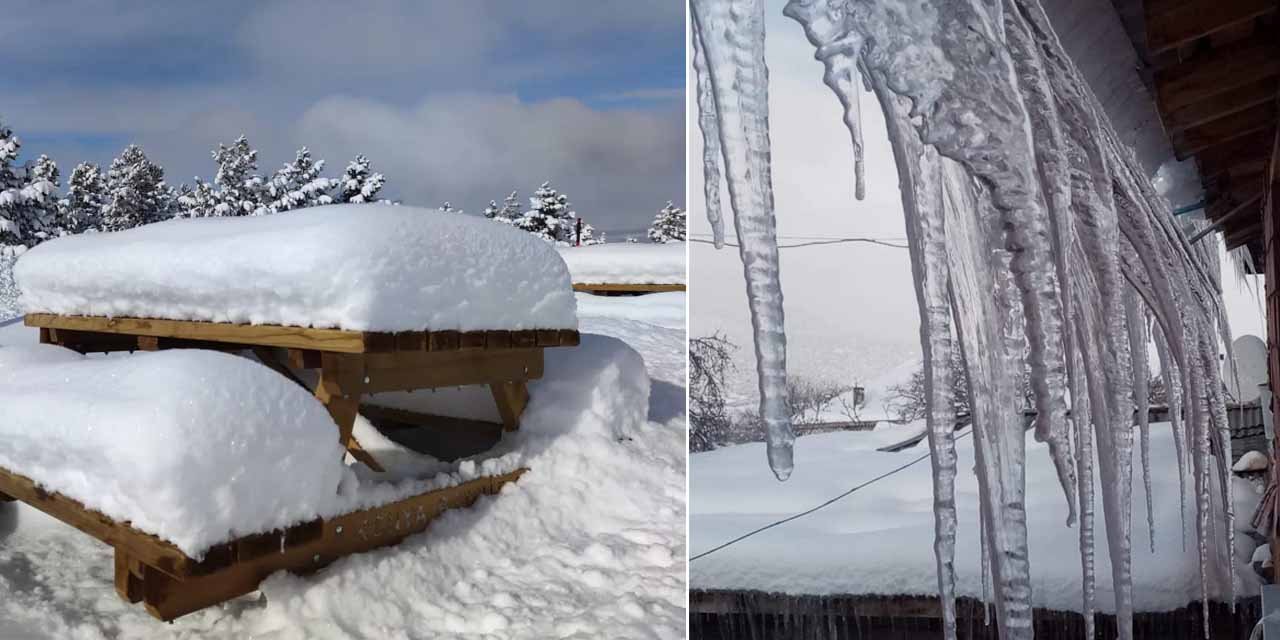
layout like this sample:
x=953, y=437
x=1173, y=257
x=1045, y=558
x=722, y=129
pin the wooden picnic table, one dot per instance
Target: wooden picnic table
x=350, y=365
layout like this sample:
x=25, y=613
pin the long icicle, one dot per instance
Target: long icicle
x=1172, y=379
x=922, y=199
x=1136, y=319
x=732, y=36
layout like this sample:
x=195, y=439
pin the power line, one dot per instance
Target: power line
x=813, y=243
x=825, y=504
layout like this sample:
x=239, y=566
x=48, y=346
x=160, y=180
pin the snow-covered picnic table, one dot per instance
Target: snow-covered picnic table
x=185, y=460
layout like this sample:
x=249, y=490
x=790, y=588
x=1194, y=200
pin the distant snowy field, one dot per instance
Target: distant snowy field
x=590, y=543
x=879, y=540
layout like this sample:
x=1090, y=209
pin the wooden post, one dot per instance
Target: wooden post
x=511, y=398
x=341, y=381
x=129, y=574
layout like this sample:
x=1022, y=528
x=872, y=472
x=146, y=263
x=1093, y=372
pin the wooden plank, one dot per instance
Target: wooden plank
x=167, y=598
x=593, y=287
x=128, y=577
x=570, y=338
x=443, y=341
x=1171, y=24
x=472, y=340
x=89, y=341
x=142, y=546
x=451, y=369
x=497, y=340
x=1252, y=120
x=265, y=335
x=1215, y=72
x=1219, y=160
x=1221, y=105
x=304, y=359
x=524, y=339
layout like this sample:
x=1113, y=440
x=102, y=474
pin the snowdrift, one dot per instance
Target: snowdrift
x=626, y=263
x=368, y=267
x=879, y=540
x=196, y=447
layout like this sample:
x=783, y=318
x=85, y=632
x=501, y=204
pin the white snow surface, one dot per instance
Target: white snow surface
x=876, y=541
x=1251, y=461
x=180, y=443
x=589, y=543
x=627, y=263
x=361, y=267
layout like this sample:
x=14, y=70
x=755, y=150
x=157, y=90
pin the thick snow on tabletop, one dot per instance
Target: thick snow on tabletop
x=879, y=540
x=361, y=267
x=626, y=263
x=196, y=447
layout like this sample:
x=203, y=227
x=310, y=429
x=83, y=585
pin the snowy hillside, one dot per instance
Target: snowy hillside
x=590, y=543
x=879, y=540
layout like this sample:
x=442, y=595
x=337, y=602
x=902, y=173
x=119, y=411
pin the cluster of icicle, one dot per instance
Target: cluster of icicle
x=1036, y=241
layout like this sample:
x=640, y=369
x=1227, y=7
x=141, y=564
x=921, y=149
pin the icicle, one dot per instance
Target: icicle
x=1218, y=417
x=1137, y=328
x=838, y=50
x=710, y=127
x=919, y=177
x=1199, y=428
x=1084, y=461
x=733, y=40
x=986, y=566
x=1172, y=379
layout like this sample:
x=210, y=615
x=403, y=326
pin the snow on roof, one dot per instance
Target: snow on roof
x=180, y=443
x=626, y=263
x=368, y=267
x=879, y=540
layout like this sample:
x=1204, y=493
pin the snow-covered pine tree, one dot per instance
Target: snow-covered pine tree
x=359, y=183
x=548, y=216
x=668, y=225
x=448, y=208
x=81, y=209
x=27, y=197
x=241, y=191
x=588, y=234
x=200, y=201
x=136, y=193
x=492, y=210
x=299, y=184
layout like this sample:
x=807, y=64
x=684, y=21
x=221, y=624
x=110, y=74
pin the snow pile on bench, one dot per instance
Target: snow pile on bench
x=196, y=447
x=626, y=263
x=367, y=267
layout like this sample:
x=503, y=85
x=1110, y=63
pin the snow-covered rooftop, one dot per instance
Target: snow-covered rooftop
x=879, y=540
x=369, y=267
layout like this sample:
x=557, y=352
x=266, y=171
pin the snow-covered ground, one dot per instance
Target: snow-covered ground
x=626, y=263
x=879, y=540
x=590, y=543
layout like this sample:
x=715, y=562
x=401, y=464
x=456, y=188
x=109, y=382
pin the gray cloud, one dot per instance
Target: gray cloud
x=425, y=89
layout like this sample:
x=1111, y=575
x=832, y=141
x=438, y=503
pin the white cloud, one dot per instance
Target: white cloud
x=471, y=148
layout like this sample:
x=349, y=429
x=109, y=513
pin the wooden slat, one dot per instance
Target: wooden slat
x=450, y=369
x=497, y=339
x=1218, y=160
x=444, y=341
x=570, y=338
x=1250, y=121
x=266, y=335
x=1221, y=105
x=1171, y=24
x=524, y=339
x=472, y=340
x=418, y=419
x=1215, y=72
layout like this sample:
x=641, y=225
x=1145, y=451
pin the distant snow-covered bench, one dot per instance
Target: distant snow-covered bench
x=627, y=267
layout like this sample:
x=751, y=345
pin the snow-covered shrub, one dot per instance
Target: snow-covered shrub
x=668, y=225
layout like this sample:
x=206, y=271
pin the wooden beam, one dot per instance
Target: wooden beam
x=1220, y=223
x=1215, y=72
x=339, y=388
x=265, y=335
x=1252, y=120
x=416, y=419
x=1217, y=160
x=1221, y=105
x=1243, y=235
x=1172, y=23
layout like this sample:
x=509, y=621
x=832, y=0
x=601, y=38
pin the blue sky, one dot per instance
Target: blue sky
x=457, y=101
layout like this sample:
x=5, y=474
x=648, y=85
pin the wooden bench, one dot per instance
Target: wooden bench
x=608, y=289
